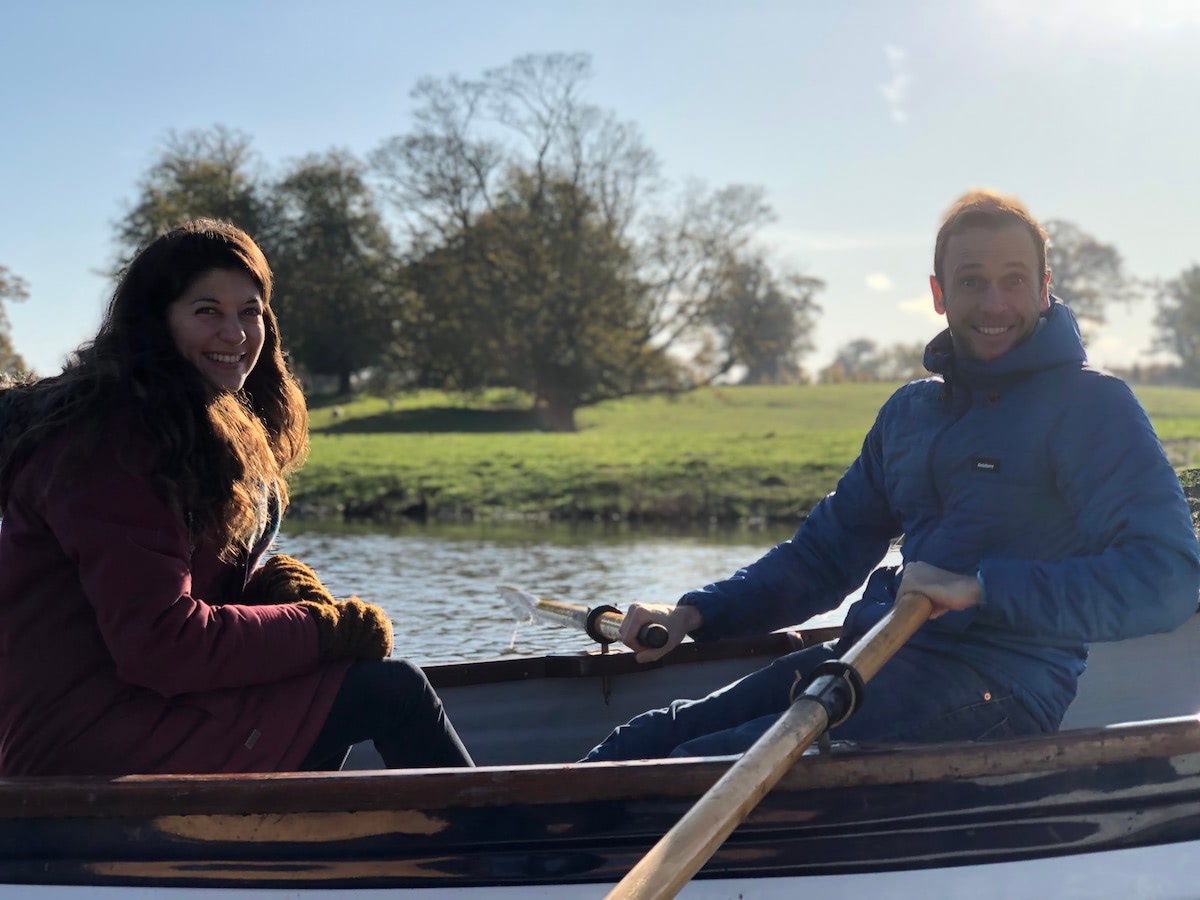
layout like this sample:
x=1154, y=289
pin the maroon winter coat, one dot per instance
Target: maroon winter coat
x=123, y=651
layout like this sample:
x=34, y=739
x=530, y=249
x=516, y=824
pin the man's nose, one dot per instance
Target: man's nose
x=992, y=297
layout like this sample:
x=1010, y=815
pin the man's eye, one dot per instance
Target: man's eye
x=1013, y=281
x=969, y=282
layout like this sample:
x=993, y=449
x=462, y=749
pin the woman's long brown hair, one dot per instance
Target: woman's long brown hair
x=213, y=451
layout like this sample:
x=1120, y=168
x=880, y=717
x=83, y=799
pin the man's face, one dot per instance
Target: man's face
x=993, y=292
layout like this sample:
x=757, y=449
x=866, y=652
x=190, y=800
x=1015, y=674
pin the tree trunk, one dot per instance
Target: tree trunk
x=557, y=411
x=344, y=389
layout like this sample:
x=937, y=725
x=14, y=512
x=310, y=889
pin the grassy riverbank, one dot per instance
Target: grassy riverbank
x=726, y=454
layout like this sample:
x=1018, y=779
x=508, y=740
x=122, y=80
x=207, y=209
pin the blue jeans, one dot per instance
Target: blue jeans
x=389, y=702
x=918, y=695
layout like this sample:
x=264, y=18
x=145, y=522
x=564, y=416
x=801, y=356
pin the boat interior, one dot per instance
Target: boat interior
x=554, y=709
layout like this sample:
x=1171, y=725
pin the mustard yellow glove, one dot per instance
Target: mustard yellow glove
x=283, y=579
x=350, y=629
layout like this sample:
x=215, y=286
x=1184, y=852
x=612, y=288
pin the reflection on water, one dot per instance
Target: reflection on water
x=439, y=583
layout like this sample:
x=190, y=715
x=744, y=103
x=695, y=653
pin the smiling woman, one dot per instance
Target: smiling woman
x=140, y=490
x=217, y=326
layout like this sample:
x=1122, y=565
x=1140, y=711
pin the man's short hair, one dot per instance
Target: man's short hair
x=987, y=209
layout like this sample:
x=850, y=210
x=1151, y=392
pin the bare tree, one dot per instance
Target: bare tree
x=1085, y=273
x=690, y=252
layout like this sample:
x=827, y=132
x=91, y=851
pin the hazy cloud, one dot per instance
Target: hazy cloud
x=921, y=307
x=877, y=281
x=798, y=239
x=1087, y=24
x=895, y=91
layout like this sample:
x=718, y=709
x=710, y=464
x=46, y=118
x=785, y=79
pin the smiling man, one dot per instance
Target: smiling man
x=990, y=279
x=1038, y=510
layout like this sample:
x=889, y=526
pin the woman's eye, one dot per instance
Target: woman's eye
x=252, y=311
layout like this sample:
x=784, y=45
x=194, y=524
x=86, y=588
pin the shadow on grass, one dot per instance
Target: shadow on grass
x=439, y=419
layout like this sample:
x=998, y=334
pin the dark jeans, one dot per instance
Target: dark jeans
x=390, y=702
x=918, y=695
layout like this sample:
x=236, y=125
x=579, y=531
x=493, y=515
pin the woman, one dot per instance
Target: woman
x=139, y=489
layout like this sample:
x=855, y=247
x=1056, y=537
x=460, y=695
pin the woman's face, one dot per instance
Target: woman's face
x=218, y=326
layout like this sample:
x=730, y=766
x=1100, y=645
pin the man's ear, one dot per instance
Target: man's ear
x=938, y=304
x=1045, y=298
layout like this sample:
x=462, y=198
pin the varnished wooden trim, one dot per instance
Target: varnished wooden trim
x=427, y=790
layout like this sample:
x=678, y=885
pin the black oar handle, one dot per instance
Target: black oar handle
x=604, y=623
x=652, y=635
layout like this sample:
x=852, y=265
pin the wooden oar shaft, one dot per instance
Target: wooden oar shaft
x=607, y=623
x=684, y=849
x=564, y=613
x=890, y=633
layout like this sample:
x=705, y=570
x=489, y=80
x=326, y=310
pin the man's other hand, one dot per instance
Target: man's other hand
x=947, y=590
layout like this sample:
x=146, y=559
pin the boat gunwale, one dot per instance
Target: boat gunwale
x=45, y=797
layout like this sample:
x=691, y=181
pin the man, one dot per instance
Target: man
x=1038, y=513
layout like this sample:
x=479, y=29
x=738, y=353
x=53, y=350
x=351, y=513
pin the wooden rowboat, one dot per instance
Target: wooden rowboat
x=1110, y=806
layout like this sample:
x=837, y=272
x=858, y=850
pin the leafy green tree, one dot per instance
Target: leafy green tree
x=12, y=288
x=1178, y=321
x=209, y=172
x=763, y=323
x=1085, y=273
x=533, y=259
x=336, y=283
x=538, y=294
x=519, y=198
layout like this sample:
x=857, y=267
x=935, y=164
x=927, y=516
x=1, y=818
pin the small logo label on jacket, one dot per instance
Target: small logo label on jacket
x=985, y=464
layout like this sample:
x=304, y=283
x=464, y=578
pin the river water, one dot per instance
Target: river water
x=439, y=584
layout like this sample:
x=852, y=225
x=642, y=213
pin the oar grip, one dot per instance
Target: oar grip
x=604, y=624
x=653, y=635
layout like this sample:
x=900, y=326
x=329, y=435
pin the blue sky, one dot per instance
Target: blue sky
x=862, y=120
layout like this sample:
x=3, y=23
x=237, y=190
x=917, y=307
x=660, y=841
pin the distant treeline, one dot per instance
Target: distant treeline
x=518, y=236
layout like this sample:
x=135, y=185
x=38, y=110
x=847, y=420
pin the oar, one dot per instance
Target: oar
x=601, y=623
x=681, y=852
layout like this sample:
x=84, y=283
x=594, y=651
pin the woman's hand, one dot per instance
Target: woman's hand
x=678, y=620
x=350, y=629
x=283, y=579
x=947, y=590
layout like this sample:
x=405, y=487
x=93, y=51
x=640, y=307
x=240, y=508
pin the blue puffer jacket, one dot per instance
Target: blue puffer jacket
x=1042, y=475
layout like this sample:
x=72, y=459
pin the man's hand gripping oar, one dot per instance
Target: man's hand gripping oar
x=829, y=697
x=601, y=623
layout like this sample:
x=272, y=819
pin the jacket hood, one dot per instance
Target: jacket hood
x=1054, y=342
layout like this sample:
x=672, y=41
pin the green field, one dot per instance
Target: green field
x=718, y=454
